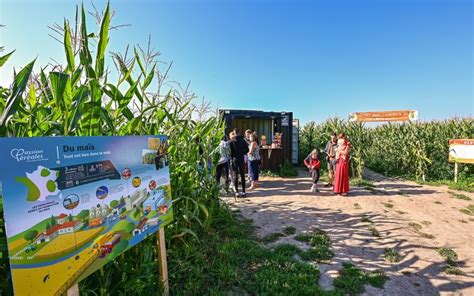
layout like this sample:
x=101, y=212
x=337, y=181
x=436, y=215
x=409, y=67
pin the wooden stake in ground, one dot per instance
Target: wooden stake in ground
x=163, y=263
x=455, y=172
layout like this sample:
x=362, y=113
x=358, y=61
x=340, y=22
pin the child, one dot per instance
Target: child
x=314, y=165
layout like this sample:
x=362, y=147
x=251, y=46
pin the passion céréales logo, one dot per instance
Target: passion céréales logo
x=21, y=155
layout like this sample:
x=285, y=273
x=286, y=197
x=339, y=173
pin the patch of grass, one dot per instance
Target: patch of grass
x=290, y=230
x=388, y=205
x=426, y=223
x=415, y=226
x=463, y=221
x=469, y=210
x=268, y=173
x=377, y=278
x=374, y=230
x=366, y=219
x=287, y=250
x=303, y=237
x=462, y=185
x=453, y=270
x=351, y=280
x=391, y=255
x=272, y=237
x=426, y=235
x=449, y=255
x=318, y=254
x=278, y=275
x=357, y=206
x=438, y=202
x=320, y=246
x=401, y=212
x=451, y=258
x=459, y=195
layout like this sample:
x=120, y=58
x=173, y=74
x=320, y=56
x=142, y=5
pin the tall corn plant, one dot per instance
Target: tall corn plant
x=80, y=99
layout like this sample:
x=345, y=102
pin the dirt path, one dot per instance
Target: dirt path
x=393, y=206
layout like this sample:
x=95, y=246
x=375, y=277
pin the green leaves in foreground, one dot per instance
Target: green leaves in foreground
x=13, y=101
x=4, y=59
x=320, y=246
x=351, y=280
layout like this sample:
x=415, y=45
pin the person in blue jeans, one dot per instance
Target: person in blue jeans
x=254, y=160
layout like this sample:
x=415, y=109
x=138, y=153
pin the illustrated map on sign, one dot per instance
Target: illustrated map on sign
x=73, y=204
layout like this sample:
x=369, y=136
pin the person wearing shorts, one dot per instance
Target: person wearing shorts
x=331, y=148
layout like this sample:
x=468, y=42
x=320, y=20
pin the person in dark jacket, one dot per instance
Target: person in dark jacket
x=238, y=149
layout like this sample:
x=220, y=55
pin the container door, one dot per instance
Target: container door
x=295, y=141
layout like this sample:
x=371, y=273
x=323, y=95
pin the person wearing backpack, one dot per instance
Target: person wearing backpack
x=254, y=160
x=314, y=166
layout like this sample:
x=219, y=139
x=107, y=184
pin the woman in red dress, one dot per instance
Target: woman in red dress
x=341, y=180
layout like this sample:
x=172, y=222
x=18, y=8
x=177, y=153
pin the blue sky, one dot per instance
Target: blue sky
x=315, y=58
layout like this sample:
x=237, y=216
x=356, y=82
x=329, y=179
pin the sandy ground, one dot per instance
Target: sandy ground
x=288, y=202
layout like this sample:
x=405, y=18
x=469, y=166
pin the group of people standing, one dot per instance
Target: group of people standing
x=337, y=156
x=236, y=153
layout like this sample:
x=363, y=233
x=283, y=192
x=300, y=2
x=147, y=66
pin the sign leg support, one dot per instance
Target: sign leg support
x=455, y=172
x=163, y=261
x=73, y=291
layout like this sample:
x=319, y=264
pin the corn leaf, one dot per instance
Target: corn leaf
x=103, y=41
x=4, y=59
x=68, y=48
x=19, y=85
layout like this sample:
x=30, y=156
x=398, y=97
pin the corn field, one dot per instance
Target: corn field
x=80, y=98
x=413, y=150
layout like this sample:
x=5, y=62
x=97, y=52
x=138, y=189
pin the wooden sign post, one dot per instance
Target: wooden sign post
x=163, y=263
x=73, y=291
x=455, y=172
